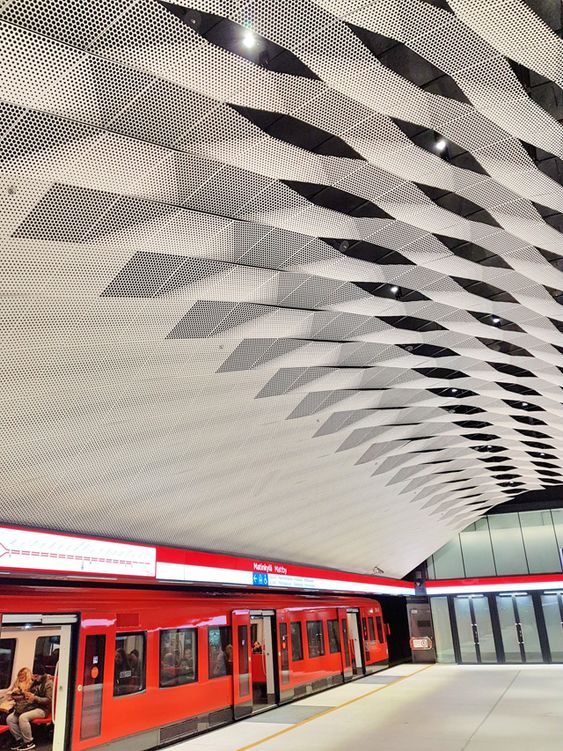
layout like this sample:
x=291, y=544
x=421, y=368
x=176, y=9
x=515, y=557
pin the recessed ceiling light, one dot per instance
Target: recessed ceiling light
x=394, y=289
x=524, y=404
x=249, y=40
x=496, y=319
x=441, y=144
x=454, y=391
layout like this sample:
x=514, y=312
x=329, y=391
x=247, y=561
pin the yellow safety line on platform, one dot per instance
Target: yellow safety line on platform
x=332, y=709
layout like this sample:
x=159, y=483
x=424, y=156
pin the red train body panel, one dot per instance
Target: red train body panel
x=127, y=683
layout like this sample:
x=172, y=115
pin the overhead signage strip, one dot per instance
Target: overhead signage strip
x=23, y=549
x=75, y=556
x=494, y=584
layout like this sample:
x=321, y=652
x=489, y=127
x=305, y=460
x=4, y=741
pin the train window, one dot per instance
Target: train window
x=371, y=629
x=315, y=638
x=284, y=653
x=243, y=661
x=333, y=637
x=93, y=686
x=7, y=652
x=296, y=641
x=178, y=656
x=346, y=643
x=220, y=648
x=129, y=675
x=47, y=653
x=379, y=624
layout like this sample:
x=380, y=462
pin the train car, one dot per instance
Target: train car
x=139, y=668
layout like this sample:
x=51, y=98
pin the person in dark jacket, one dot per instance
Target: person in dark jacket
x=30, y=705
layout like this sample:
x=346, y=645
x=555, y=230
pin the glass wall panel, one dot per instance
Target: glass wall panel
x=507, y=544
x=430, y=568
x=557, y=515
x=508, y=628
x=528, y=628
x=484, y=629
x=553, y=624
x=442, y=629
x=465, y=629
x=477, y=550
x=448, y=563
x=540, y=542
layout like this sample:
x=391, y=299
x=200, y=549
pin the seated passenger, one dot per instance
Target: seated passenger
x=123, y=673
x=23, y=682
x=168, y=669
x=217, y=662
x=186, y=664
x=30, y=705
x=229, y=658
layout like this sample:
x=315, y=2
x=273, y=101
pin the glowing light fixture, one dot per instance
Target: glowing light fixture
x=441, y=144
x=394, y=289
x=249, y=40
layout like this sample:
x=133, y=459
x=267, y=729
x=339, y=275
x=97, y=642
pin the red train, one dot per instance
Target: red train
x=139, y=668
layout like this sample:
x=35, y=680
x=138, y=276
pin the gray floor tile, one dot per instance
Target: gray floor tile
x=288, y=715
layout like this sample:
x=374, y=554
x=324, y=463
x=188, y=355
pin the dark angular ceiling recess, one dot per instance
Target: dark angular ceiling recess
x=280, y=278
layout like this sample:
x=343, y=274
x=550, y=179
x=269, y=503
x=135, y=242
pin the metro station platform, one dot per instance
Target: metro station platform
x=430, y=708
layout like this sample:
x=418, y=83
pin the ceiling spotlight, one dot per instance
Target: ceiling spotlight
x=496, y=319
x=394, y=289
x=249, y=40
x=524, y=404
x=441, y=144
x=454, y=391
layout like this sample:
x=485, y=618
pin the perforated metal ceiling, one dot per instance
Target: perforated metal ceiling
x=280, y=278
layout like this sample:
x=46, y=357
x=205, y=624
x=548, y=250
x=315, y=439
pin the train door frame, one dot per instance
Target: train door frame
x=347, y=664
x=242, y=664
x=355, y=637
x=63, y=691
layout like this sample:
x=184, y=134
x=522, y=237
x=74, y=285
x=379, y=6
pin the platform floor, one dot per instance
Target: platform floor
x=436, y=708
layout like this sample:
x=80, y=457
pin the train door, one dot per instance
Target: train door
x=254, y=683
x=347, y=671
x=263, y=665
x=42, y=643
x=355, y=641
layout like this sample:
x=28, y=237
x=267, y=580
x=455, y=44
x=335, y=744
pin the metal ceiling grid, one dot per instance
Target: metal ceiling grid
x=279, y=278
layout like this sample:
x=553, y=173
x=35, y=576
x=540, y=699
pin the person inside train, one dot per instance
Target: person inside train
x=31, y=704
x=229, y=658
x=186, y=664
x=122, y=676
x=23, y=682
x=257, y=648
x=217, y=662
x=133, y=659
x=168, y=668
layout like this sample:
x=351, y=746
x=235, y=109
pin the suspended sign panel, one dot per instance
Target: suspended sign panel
x=45, y=551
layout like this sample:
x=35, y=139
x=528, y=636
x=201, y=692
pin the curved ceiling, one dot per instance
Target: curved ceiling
x=280, y=278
